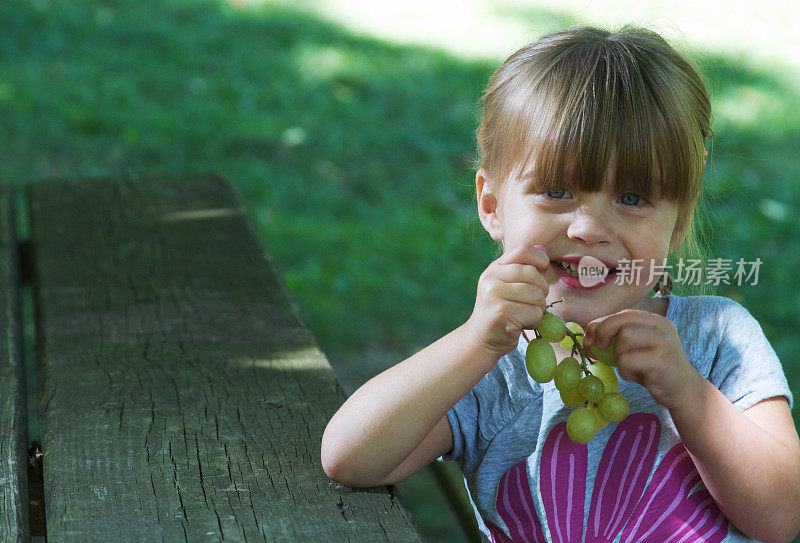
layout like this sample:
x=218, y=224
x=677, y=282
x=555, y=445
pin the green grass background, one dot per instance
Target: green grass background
x=354, y=154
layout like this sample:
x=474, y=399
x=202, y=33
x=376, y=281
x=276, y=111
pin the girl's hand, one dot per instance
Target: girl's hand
x=511, y=298
x=648, y=351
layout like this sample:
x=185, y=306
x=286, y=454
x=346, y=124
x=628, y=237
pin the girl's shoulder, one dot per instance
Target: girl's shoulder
x=718, y=310
x=709, y=323
x=727, y=345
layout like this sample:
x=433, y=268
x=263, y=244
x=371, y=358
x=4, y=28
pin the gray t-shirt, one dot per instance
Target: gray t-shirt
x=635, y=480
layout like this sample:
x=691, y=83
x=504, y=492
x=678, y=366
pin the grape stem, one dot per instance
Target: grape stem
x=577, y=348
x=536, y=334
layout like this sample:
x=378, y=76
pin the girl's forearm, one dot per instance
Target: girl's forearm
x=382, y=423
x=753, y=475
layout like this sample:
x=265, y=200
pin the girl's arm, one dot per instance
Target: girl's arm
x=396, y=423
x=749, y=460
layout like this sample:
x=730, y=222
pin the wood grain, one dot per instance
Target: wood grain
x=183, y=397
x=14, y=524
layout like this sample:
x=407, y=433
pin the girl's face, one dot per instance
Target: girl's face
x=603, y=225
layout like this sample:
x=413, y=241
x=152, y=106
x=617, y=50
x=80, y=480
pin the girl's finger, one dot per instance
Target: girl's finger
x=522, y=273
x=526, y=253
x=600, y=331
x=524, y=293
x=525, y=316
x=635, y=338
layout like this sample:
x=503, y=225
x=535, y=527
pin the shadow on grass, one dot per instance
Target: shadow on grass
x=354, y=155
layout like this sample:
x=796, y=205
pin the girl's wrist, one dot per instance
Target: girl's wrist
x=686, y=396
x=481, y=351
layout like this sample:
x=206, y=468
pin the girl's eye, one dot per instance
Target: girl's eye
x=631, y=199
x=558, y=194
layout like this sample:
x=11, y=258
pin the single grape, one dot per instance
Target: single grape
x=591, y=388
x=613, y=407
x=567, y=342
x=567, y=374
x=540, y=360
x=581, y=425
x=605, y=374
x=571, y=397
x=552, y=328
x=606, y=356
x=601, y=422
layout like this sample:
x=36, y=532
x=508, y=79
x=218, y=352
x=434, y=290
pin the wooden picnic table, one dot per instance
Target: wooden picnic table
x=180, y=395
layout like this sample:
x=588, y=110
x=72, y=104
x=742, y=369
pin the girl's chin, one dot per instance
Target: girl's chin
x=583, y=308
x=580, y=311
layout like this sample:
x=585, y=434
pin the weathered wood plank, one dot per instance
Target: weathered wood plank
x=14, y=524
x=182, y=396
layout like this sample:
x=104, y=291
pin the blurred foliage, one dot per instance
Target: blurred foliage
x=354, y=156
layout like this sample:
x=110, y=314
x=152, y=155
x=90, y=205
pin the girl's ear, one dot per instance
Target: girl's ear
x=488, y=206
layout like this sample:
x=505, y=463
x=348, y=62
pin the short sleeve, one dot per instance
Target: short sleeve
x=746, y=368
x=463, y=419
x=494, y=401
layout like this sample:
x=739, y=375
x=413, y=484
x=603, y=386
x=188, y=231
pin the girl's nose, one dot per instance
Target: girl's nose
x=590, y=225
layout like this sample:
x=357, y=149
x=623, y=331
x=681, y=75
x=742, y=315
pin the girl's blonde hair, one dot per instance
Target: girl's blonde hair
x=584, y=103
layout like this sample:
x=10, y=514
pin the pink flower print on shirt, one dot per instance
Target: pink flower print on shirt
x=665, y=510
x=516, y=508
x=670, y=512
x=562, y=478
x=623, y=471
x=499, y=536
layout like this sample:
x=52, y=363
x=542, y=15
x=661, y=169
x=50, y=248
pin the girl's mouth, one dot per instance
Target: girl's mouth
x=567, y=267
x=583, y=278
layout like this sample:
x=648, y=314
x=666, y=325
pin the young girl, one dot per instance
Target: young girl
x=592, y=144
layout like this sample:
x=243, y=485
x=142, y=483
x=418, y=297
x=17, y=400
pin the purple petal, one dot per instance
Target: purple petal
x=516, y=507
x=498, y=536
x=562, y=479
x=704, y=520
x=668, y=512
x=622, y=475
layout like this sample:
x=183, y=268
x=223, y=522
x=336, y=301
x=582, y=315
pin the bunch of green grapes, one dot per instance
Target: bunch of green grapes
x=589, y=385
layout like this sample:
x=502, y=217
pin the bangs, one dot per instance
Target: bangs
x=604, y=114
